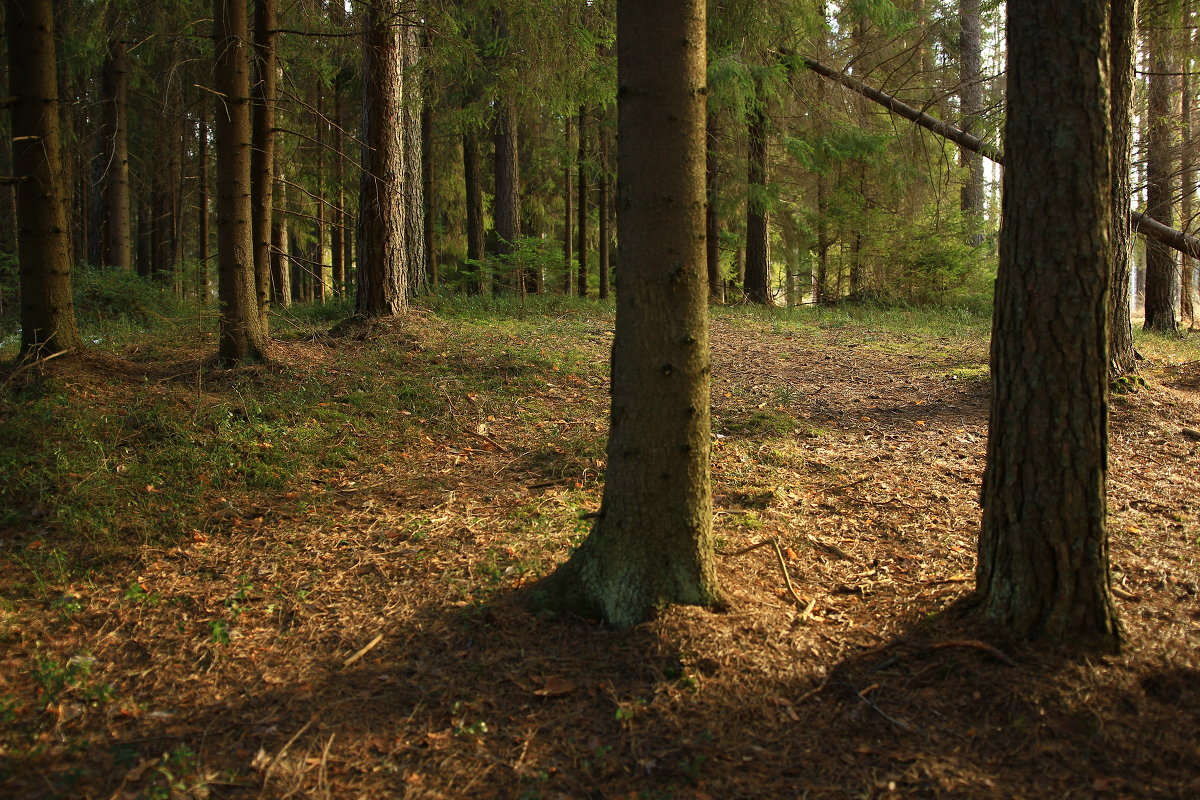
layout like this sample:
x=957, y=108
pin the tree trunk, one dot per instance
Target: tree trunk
x=716, y=286
x=602, y=213
x=970, y=96
x=581, y=207
x=568, y=218
x=262, y=156
x=427, y=166
x=241, y=336
x=412, y=181
x=337, y=230
x=116, y=250
x=1187, y=168
x=383, y=263
x=1122, y=359
x=47, y=307
x=758, y=258
x=473, y=183
x=1162, y=264
x=281, y=269
x=1043, y=569
x=652, y=541
x=202, y=254
x=506, y=210
x=823, y=243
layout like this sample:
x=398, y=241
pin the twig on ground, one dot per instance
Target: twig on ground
x=368, y=647
x=805, y=608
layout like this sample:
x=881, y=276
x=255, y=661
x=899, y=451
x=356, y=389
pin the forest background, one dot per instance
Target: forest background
x=141, y=480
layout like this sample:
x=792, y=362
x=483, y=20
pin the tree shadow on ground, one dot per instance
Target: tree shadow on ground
x=494, y=700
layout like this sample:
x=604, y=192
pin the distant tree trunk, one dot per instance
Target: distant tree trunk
x=581, y=207
x=47, y=308
x=281, y=268
x=758, y=258
x=1043, y=569
x=202, y=252
x=413, y=149
x=970, y=96
x=568, y=218
x=712, y=254
x=1187, y=170
x=602, y=213
x=822, y=277
x=658, y=449
x=241, y=336
x=383, y=263
x=337, y=230
x=427, y=167
x=1122, y=359
x=1162, y=263
x=473, y=183
x=262, y=155
x=116, y=250
x=506, y=210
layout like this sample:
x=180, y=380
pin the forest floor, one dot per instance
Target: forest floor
x=309, y=578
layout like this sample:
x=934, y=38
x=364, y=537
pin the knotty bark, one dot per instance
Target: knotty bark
x=1043, y=569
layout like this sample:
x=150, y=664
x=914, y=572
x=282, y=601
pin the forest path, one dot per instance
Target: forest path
x=364, y=633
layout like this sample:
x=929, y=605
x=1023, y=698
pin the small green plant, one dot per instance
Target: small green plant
x=218, y=631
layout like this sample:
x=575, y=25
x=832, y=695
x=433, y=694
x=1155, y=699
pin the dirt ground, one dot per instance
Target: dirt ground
x=378, y=644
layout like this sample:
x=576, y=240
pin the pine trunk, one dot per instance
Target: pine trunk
x=506, y=210
x=116, y=250
x=716, y=287
x=1043, y=569
x=1122, y=359
x=383, y=264
x=1162, y=263
x=47, y=307
x=202, y=254
x=652, y=545
x=262, y=157
x=970, y=96
x=242, y=339
x=581, y=207
x=568, y=215
x=602, y=256
x=473, y=184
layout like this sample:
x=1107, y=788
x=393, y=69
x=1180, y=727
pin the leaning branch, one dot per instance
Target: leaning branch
x=1176, y=239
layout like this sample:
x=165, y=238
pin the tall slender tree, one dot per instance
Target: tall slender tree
x=652, y=544
x=384, y=264
x=262, y=154
x=116, y=243
x=1122, y=358
x=1162, y=99
x=47, y=309
x=1043, y=569
x=241, y=336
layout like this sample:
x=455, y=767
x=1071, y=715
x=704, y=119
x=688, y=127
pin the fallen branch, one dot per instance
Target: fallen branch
x=1152, y=228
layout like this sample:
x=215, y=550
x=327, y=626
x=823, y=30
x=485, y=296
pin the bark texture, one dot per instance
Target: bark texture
x=1162, y=264
x=117, y=242
x=262, y=155
x=758, y=258
x=473, y=185
x=1122, y=359
x=581, y=226
x=241, y=336
x=383, y=263
x=1043, y=569
x=712, y=177
x=202, y=236
x=970, y=96
x=651, y=545
x=47, y=308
